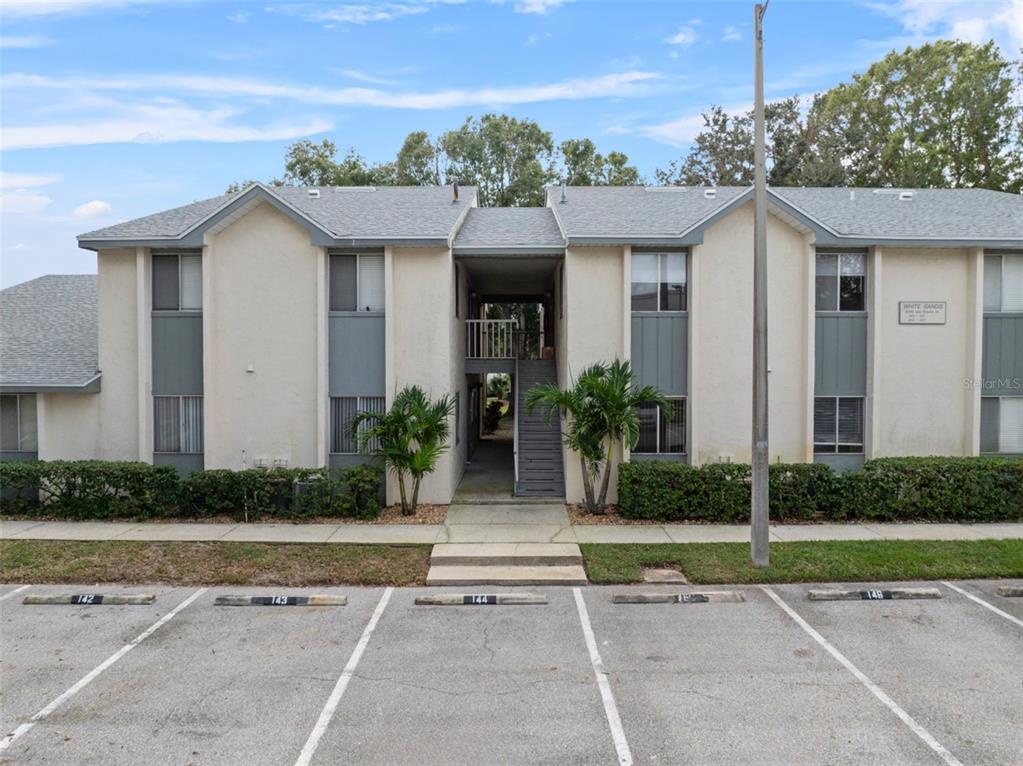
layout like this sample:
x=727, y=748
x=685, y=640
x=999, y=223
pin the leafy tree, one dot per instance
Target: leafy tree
x=408, y=439
x=236, y=186
x=310, y=164
x=585, y=166
x=601, y=409
x=509, y=160
x=418, y=161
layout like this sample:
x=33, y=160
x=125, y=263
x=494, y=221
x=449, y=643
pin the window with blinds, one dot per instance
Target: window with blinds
x=1003, y=283
x=342, y=412
x=658, y=281
x=356, y=282
x=177, y=282
x=662, y=432
x=841, y=281
x=1001, y=424
x=177, y=424
x=18, y=428
x=838, y=424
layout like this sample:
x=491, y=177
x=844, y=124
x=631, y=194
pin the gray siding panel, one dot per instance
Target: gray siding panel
x=654, y=457
x=1003, y=355
x=186, y=463
x=177, y=354
x=841, y=355
x=660, y=351
x=840, y=463
x=356, y=362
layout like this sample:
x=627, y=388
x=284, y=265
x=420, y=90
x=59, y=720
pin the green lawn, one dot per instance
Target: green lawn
x=833, y=561
x=216, y=563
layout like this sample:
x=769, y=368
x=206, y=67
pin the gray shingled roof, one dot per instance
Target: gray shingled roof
x=930, y=214
x=395, y=212
x=630, y=212
x=509, y=227
x=48, y=332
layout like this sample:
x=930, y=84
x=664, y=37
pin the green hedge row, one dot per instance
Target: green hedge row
x=123, y=490
x=887, y=489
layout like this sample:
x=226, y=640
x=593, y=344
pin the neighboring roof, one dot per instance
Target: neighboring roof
x=336, y=215
x=48, y=334
x=636, y=214
x=509, y=229
x=929, y=214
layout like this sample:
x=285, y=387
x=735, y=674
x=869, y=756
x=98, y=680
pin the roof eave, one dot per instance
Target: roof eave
x=90, y=386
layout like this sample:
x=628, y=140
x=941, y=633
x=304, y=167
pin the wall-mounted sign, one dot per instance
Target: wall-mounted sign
x=922, y=312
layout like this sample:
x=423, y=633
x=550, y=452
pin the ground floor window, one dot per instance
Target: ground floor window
x=177, y=424
x=663, y=432
x=838, y=424
x=342, y=411
x=18, y=423
x=1001, y=424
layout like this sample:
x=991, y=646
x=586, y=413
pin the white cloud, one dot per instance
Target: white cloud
x=731, y=34
x=684, y=36
x=534, y=38
x=351, y=13
x=12, y=8
x=241, y=17
x=970, y=20
x=626, y=83
x=159, y=123
x=360, y=76
x=683, y=130
x=541, y=7
x=24, y=41
x=22, y=201
x=24, y=180
x=19, y=247
x=92, y=209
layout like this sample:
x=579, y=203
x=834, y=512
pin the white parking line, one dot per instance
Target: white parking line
x=334, y=699
x=984, y=603
x=876, y=690
x=610, y=709
x=7, y=741
x=13, y=592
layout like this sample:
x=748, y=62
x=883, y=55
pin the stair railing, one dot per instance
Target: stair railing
x=515, y=438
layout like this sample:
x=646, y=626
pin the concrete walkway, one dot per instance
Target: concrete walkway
x=493, y=524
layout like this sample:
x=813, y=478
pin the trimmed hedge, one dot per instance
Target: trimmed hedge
x=125, y=490
x=887, y=489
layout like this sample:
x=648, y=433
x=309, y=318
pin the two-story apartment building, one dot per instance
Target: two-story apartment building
x=245, y=330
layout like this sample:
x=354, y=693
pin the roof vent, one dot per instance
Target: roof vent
x=710, y=193
x=852, y=195
x=905, y=196
x=454, y=190
x=313, y=193
x=564, y=198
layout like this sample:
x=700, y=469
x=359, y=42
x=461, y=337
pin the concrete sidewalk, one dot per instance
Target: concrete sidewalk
x=543, y=524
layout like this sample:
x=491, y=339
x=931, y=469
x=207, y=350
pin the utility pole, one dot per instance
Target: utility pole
x=759, y=513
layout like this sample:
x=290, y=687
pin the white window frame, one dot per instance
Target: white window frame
x=19, y=434
x=360, y=405
x=838, y=282
x=657, y=428
x=661, y=256
x=837, y=443
x=181, y=424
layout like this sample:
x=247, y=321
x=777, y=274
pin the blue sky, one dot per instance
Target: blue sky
x=112, y=109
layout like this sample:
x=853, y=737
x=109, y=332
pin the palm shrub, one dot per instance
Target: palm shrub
x=408, y=439
x=601, y=408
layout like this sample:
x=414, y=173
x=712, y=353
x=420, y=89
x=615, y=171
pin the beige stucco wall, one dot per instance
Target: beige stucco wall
x=117, y=434
x=260, y=308
x=924, y=406
x=594, y=329
x=68, y=426
x=420, y=318
x=722, y=349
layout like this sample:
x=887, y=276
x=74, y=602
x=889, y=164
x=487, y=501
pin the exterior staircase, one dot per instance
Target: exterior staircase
x=540, y=469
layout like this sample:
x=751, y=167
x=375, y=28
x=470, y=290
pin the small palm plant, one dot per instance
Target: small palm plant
x=408, y=439
x=601, y=408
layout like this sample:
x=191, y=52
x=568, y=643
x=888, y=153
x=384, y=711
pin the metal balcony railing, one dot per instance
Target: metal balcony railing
x=501, y=339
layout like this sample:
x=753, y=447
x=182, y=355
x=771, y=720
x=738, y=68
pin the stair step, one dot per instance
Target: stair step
x=506, y=554
x=506, y=575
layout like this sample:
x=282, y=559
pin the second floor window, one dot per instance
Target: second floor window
x=1003, y=283
x=841, y=281
x=177, y=282
x=658, y=281
x=356, y=282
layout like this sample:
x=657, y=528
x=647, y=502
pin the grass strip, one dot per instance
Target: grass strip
x=212, y=563
x=831, y=561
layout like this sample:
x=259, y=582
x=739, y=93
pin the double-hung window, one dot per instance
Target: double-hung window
x=342, y=411
x=662, y=432
x=357, y=282
x=1001, y=429
x=177, y=282
x=838, y=424
x=1003, y=284
x=177, y=424
x=1001, y=417
x=659, y=281
x=841, y=281
x=18, y=430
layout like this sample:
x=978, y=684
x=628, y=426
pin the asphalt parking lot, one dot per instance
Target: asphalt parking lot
x=776, y=679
